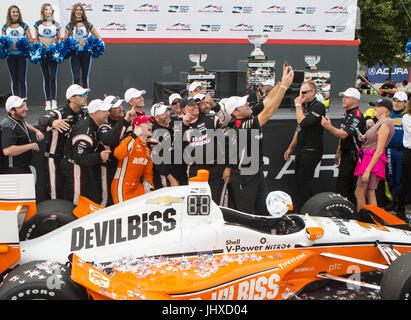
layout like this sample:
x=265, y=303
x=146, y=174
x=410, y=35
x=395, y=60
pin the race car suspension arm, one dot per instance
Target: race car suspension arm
x=348, y=280
x=350, y=259
x=388, y=252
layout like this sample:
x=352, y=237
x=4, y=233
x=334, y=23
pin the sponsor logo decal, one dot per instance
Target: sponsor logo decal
x=211, y=9
x=275, y=9
x=242, y=27
x=144, y=8
x=113, y=7
x=273, y=28
x=242, y=9
x=305, y=28
x=112, y=231
x=305, y=10
x=178, y=9
x=114, y=26
x=337, y=10
x=179, y=27
x=165, y=200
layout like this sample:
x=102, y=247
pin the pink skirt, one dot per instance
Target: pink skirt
x=379, y=168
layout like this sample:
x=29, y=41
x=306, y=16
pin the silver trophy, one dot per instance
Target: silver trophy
x=197, y=58
x=312, y=61
x=257, y=40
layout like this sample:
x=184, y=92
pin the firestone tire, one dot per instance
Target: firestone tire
x=329, y=204
x=396, y=282
x=41, y=280
x=50, y=215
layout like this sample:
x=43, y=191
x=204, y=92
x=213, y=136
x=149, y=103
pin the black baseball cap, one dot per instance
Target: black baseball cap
x=382, y=102
x=187, y=101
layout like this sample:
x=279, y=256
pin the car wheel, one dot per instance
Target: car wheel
x=396, y=282
x=50, y=215
x=41, y=280
x=329, y=204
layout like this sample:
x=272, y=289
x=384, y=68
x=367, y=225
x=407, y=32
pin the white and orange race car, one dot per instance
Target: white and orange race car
x=176, y=243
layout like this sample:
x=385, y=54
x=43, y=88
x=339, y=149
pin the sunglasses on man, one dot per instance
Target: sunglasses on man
x=176, y=101
x=306, y=91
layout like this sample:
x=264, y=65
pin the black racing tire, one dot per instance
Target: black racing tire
x=396, y=282
x=41, y=280
x=50, y=215
x=329, y=204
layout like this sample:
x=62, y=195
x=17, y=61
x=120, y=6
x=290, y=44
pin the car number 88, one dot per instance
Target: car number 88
x=198, y=205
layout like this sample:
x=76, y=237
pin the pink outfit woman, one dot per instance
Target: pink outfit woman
x=369, y=148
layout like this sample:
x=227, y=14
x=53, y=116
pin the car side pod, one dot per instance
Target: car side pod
x=103, y=287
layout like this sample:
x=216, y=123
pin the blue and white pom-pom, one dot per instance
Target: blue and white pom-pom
x=23, y=45
x=55, y=51
x=94, y=46
x=70, y=47
x=5, y=44
x=408, y=48
x=37, y=52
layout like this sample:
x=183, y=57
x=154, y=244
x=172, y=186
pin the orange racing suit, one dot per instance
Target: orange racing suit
x=134, y=167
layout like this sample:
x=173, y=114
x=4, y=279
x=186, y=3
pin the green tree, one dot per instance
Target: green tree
x=385, y=31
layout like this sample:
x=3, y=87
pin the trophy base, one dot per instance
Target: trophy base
x=197, y=69
x=311, y=68
x=257, y=57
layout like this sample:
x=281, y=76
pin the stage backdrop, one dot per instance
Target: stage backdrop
x=219, y=19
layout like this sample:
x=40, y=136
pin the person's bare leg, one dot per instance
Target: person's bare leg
x=360, y=193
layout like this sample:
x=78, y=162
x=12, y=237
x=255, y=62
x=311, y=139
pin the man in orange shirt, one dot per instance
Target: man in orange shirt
x=134, y=174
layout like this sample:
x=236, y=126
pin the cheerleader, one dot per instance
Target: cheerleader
x=79, y=28
x=47, y=31
x=15, y=28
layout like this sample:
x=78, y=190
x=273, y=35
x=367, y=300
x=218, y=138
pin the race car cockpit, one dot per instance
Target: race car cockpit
x=267, y=224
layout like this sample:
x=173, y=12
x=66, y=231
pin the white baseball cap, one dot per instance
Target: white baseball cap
x=14, y=102
x=75, y=90
x=234, y=102
x=351, y=93
x=133, y=93
x=194, y=85
x=97, y=105
x=172, y=97
x=158, y=109
x=199, y=97
x=268, y=82
x=401, y=96
x=113, y=101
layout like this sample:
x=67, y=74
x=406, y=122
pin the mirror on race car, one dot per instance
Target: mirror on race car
x=278, y=203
